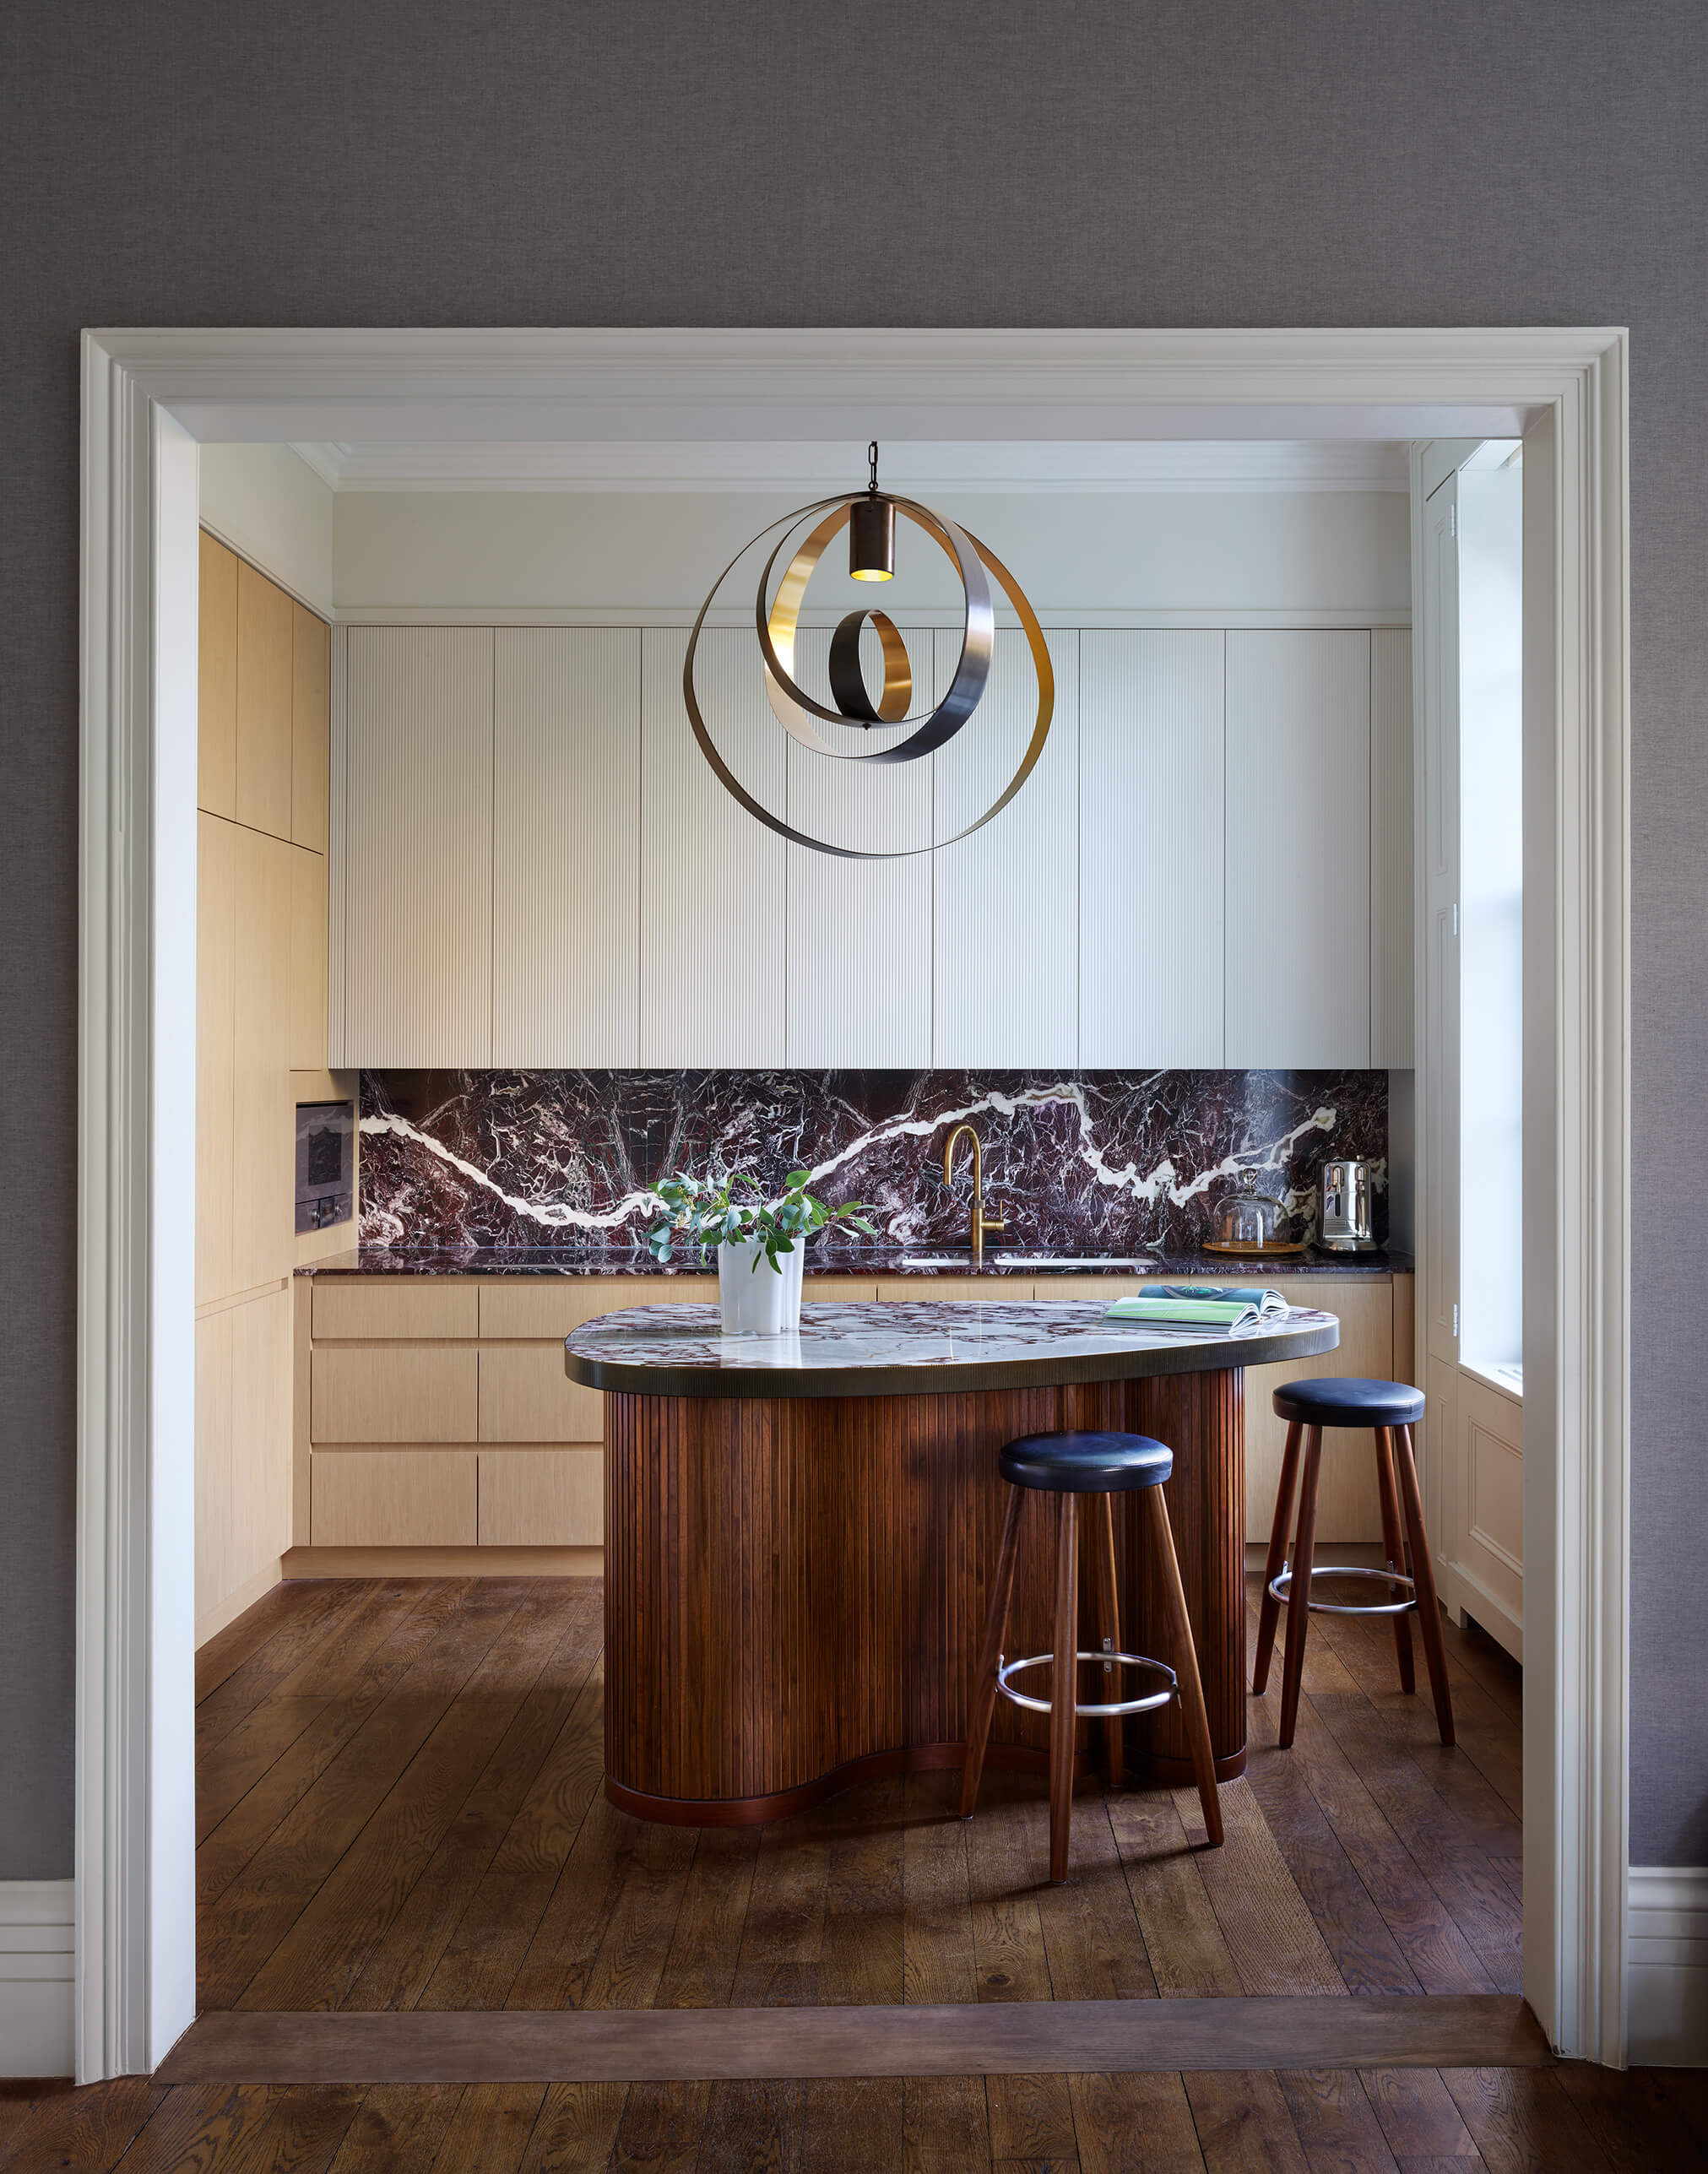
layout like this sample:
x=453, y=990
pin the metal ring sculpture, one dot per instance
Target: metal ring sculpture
x=794, y=708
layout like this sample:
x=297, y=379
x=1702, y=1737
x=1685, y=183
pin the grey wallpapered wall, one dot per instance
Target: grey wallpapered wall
x=1120, y=162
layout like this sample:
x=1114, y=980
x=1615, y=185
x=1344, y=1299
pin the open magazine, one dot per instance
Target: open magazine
x=1201, y=1305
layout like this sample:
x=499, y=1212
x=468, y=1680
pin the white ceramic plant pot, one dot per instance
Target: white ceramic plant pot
x=756, y=1299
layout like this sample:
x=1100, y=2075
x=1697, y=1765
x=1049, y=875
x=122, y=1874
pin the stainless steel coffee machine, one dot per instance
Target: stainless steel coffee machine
x=1346, y=1208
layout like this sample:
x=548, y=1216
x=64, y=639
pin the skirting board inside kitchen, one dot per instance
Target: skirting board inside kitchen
x=1666, y=1966
x=37, y=1967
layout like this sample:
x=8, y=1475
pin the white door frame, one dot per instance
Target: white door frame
x=148, y=396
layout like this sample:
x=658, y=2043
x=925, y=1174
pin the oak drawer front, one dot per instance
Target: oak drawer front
x=526, y=1396
x=393, y=1497
x=394, y=1393
x=428, y=1306
x=988, y=1290
x=551, y=1306
x=542, y=1498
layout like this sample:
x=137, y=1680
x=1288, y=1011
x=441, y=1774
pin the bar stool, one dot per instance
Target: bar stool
x=1068, y=1465
x=1389, y=1409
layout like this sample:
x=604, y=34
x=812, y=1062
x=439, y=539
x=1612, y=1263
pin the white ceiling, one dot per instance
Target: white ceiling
x=915, y=465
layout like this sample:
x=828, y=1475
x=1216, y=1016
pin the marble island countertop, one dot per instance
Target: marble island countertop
x=878, y=1350
x=925, y=1261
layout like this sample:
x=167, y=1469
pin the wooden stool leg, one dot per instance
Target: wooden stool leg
x=1423, y=1574
x=1184, y=1656
x=995, y=1630
x=1109, y=1629
x=1064, y=1681
x=1269, y=1614
x=1298, y=1592
x=1394, y=1547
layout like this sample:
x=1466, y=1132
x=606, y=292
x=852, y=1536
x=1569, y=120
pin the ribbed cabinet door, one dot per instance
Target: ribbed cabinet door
x=1006, y=900
x=418, y=846
x=714, y=880
x=1298, y=849
x=565, y=846
x=859, y=931
x=1152, y=767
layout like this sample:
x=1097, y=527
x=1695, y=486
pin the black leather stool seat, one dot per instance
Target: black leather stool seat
x=1072, y=1463
x=1350, y=1402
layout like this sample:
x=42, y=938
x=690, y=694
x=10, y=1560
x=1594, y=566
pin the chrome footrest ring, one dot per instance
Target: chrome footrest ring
x=1281, y=1589
x=1004, y=1669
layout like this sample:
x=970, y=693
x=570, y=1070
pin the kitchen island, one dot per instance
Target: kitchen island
x=801, y=1532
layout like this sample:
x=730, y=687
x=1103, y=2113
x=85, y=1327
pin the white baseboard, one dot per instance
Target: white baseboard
x=1666, y=1966
x=37, y=1967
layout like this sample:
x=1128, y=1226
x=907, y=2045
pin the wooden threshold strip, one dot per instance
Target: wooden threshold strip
x=989, y=2038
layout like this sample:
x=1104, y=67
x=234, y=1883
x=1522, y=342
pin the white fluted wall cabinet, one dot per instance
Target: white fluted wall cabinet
x=565, y=846
x=1298, y=894
x=1151, y=789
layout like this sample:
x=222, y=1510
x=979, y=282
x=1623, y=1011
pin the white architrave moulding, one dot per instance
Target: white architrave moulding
x=134, y=1922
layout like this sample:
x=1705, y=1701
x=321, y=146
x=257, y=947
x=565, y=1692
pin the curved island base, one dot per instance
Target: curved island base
x=796, y=1587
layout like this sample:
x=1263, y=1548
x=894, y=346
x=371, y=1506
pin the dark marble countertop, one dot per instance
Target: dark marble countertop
x=924, y=1262
x=884, y=1349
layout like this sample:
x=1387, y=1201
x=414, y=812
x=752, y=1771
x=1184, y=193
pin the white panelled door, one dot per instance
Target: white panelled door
x=565, y=846
x=1297, y=927
x=417, y=871
x=1006, y=900
x=713, y=879
x=1151, y=782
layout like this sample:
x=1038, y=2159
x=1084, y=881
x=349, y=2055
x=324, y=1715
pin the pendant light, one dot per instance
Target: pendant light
x=870, y=517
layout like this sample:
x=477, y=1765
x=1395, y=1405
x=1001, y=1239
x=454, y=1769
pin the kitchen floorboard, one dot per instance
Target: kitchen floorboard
x=401, y=1808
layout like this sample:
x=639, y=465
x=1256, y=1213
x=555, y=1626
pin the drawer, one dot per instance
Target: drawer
x=837, y=1290
x=394, y=1393
x=542, y=1498
x=1090, y=1290
x=526, y=1396
x=393, y=1497
x=989, y=1289
x=528, y=1307
x=426, y=1306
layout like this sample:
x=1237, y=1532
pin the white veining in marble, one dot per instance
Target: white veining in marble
x=1163, y=1180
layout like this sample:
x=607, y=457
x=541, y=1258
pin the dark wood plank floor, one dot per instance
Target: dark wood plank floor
x=399, y=1808
x=1566, y=2119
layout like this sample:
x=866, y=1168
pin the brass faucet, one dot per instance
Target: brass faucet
x=981, y=1221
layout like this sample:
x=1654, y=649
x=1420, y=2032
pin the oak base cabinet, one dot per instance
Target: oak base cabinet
x=527, y=1495
x=440, y=1414
x=413, y=1498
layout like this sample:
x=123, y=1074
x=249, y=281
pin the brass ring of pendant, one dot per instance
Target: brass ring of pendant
x=793, y=717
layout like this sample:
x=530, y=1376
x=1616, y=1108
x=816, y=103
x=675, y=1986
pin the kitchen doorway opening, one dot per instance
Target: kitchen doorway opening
x=150, y=397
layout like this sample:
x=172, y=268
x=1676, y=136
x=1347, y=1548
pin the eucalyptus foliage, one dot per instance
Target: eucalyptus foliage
x=697, y=1213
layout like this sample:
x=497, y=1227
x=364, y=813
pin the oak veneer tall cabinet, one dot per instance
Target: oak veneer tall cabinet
x=261, y=1046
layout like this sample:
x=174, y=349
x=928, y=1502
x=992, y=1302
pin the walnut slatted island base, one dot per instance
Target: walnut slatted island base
x=801, y=1533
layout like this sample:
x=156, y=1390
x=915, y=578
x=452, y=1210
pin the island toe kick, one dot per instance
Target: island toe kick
x=796, y=1586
